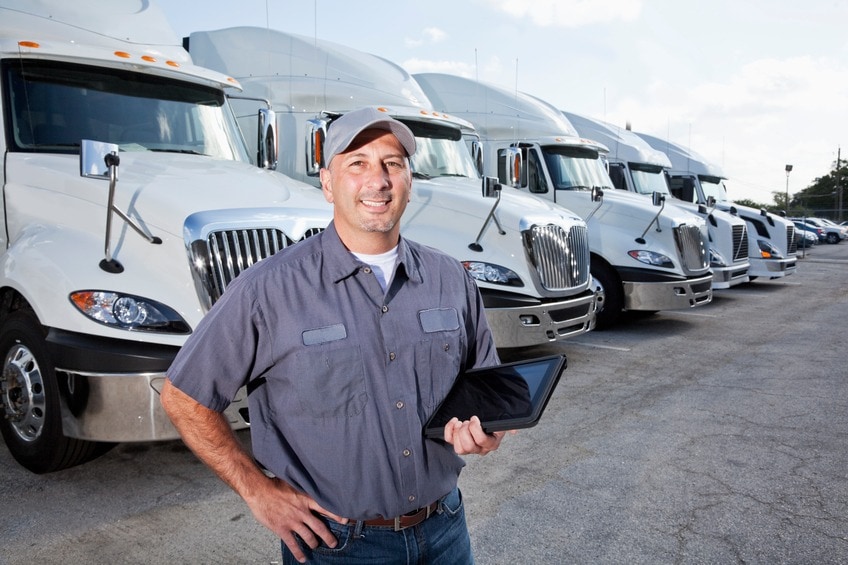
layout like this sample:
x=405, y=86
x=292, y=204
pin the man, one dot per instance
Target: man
x=346, y=342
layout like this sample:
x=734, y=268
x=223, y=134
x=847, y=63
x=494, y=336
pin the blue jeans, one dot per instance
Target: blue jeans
x=441, y=538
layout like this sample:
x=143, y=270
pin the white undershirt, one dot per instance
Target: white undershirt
x=383, y=265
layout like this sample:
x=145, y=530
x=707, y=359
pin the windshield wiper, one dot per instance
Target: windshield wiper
x=418, y=175
x=172, y=150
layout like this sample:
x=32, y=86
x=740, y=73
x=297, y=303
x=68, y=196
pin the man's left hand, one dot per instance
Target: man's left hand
x=468, y=437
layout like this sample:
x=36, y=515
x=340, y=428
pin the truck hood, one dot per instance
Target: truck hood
x=629, y=207
x=185, y=184
x=464, y=195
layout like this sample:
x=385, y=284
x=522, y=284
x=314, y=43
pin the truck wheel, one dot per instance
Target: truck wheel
x=613, y=303
x=31, y=421
x=832, y=238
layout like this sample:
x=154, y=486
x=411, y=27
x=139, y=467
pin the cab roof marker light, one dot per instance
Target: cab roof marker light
x=382, y=109
x=172, y=63
x=31, y=44
x=148, y=58
x=122, y=54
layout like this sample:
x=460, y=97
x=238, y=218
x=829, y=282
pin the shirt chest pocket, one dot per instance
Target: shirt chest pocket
x=437, y=363
x=327, y=384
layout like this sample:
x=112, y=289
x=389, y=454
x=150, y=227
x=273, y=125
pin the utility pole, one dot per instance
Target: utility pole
x=839, y=184
x=788, y=170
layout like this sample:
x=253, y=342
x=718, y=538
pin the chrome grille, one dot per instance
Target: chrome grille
x=740, y=243
x=225, y=254
x=560, y=257
x=691, y=247
x=791, y=244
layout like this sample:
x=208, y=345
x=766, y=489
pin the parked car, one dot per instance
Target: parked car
x=805, y=239
x=832, y=233
x=819, y=233
x=833, y=224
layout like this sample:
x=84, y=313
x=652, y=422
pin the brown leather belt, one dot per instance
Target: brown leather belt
x=407, y=520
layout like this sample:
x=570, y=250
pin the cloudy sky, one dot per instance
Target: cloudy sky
x=751, y=85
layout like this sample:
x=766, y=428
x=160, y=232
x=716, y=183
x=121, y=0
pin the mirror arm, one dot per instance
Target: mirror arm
x=641, y=238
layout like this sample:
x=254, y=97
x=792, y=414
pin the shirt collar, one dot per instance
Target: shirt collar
x=341, y=263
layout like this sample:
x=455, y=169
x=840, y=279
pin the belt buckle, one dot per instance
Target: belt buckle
x=415, y=517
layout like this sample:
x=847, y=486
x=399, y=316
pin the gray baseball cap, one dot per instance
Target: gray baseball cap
x=344, y=130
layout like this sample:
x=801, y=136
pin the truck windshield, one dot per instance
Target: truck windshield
x=51, y=106
x=648, y=179
x=713, y=186
x=574, y=168
x=440, y=151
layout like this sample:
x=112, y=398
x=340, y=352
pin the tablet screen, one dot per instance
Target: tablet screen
x=504, y=397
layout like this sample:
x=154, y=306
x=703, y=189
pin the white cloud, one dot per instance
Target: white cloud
x=430, y=35
x=569, y=13
x=768, y=113
x=435, y=34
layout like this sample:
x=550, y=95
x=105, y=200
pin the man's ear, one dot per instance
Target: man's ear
x=326, y=184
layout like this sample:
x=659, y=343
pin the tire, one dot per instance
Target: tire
x=613, y=303
x=832, y=238
x=31, y=422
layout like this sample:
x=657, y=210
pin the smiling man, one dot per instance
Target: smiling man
x=346, y=342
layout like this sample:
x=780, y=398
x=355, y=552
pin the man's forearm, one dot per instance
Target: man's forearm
x=208, y=434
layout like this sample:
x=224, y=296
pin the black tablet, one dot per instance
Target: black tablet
x=504, y=397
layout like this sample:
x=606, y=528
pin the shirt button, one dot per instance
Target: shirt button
x=447, y=347
x=399, y=404
x=384, y=309
x=406, y=453
x=411, y=498
x=392, y=356
x=366, y=269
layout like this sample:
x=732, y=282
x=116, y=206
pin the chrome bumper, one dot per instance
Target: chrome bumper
x=772, y=268
x=544, y=323
x=668, y=295
x=726, y=277
x=125, y=407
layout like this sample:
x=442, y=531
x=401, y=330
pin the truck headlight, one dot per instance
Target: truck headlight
x=491, y=273
x=651, y=258
x=767, y=250
x=717, y=258
x=128, y=312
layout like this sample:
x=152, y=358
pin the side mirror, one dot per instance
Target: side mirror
x=93, y=156
x=514, y=167
x=477, y=155
x=491, y=187
x=711, y=202
x=316, y=133
x=266, y=153
x=597, y=194
x=657, y=198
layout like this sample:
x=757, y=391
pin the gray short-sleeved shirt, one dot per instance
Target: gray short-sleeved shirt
x=342, y=376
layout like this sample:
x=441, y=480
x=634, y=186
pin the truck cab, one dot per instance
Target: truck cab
x=129, y=205
x=772, y=248
x=647, y=256
x=636, y=167
x=530, y=259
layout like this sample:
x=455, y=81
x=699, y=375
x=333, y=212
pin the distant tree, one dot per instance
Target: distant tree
x=822, y=198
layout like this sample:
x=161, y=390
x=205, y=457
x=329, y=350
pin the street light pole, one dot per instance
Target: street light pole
x=788, y=170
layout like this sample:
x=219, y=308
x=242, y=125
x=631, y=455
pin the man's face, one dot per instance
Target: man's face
x=369, y=186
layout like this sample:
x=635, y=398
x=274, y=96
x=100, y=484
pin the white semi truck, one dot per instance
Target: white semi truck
x=772, y=249
x=529, y=258
x=637, y=167
x=646, y=255
x=129, y=204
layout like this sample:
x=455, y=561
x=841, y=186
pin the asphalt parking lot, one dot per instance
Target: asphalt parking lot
x=712, y=435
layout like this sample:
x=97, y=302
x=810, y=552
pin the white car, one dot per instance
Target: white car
x=832, y=232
